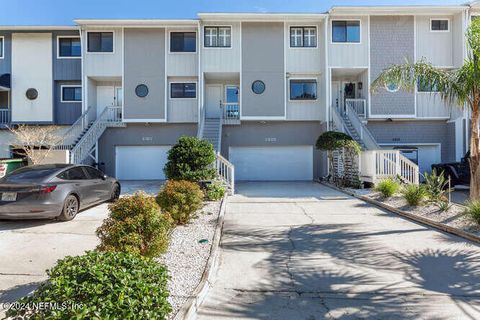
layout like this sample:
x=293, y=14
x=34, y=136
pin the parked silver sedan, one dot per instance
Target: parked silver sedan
x=54, y=191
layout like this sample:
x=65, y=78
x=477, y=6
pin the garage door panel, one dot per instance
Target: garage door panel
x=141, y=162
x=272, y=163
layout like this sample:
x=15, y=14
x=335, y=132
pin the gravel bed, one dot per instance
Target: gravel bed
x=454, y=217
x=186, y=257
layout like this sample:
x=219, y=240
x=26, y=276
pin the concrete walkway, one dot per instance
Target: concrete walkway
x=304, y=251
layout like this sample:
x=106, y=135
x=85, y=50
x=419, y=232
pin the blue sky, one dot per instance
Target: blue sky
x=62, y=12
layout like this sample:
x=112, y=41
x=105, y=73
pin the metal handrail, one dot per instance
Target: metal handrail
x=5, y=116
x=76, y=129
x=226, y=172
x=365, y=134
x=358, y=105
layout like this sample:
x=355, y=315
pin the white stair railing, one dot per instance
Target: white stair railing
x=76, y=129
x=230, y=113
x=376, y=165
x=365, y=134
x=358, y=105
x=226, y=172
x=201, y=123
x=4, y=116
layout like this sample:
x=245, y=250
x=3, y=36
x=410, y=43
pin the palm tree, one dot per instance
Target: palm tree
x=460, y=87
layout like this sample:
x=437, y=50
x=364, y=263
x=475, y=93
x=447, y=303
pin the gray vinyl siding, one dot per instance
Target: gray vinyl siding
x=65, y=112
x=392, y=40
x=298, y=133
x=65, y=69
x=408, y=132
x=6, y=62
x=263, y=59
x=139, y=135
x=144, y=64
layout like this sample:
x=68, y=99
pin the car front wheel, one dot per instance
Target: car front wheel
x=70, y=208
x=115, y=193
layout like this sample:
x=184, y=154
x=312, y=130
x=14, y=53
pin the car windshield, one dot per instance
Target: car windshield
x=29, y=174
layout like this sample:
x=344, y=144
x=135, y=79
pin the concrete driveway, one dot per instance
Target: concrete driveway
x=28, y=248
x=304, y=251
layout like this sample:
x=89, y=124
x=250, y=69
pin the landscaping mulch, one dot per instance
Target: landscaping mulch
x=188, y=253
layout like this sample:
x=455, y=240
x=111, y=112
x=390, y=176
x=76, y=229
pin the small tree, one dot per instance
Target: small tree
x=332, y=141
x=190, y=159
x=36, y=142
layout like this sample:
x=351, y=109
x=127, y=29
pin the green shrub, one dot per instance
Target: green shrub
x=436, y=186
x=190, y=159
x=214, y=191
x=111, y=285
x=387, y=187
x=180, y=199
x=414, y=194
x=135, y=225
x=443, y=205
x=473, y=210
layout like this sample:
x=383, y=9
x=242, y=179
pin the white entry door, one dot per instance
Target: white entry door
x=286, y=163
x=213, y=99
x=140, y=162
x=105, y=97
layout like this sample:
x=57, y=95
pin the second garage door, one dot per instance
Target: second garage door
x=140, y=162
x=272, y=163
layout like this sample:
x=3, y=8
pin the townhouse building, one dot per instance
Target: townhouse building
x=261, y=87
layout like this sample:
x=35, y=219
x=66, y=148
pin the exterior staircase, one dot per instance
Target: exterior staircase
x=353, y=132
x=212, y=132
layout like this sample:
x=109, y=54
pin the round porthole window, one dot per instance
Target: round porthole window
x=391, y=87
x=258, y=87
x=141, y=91
x=31, y=94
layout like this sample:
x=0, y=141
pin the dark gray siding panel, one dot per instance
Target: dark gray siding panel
x=392, y=41
x=6, y=62
x=65, y=69
x=255, y=134
x=144, y=64
x=67, y=112
x=139, y=135
x=263, y=59
x=415, y=132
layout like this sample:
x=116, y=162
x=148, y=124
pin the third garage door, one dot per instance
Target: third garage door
x=141, y=162
x=272, y=163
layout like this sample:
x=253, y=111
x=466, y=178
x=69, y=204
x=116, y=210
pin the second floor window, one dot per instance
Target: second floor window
x=183, y=42
x=305, y=37
x=439, y=25
x=218, y=37
x=183, y=90
x=69, y=47
x=346, y=31
x=100, y=41
x=303, y=89
x=72, y=94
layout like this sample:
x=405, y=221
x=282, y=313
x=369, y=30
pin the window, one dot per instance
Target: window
x=71, y=94
x=346, y=31
x=1, y=47
x=94, y=173
x=303, y=89
x=141, y=91
x=423, y=86
x=183, y=90
x=392, y=87
x=258, y=87
x=76, y=173
x=439, y=25
x=100, y=41
x=69, y=47
x=183, y=42
x=303, y=37
x=217, y=37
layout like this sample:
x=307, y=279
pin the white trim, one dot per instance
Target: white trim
x=327, y=78
x=202, y=28
x=289, y=26
x=285, y=93
x=70, y=86
x=440, y=19
x=170, y=30
x=345, y=43
x=166, y=91
x=420, y=144
x=100, y=31
x=393, y=116
x=415, y=107
x=241, y=72
x=182, y=82
x=68, y=37
x=305, y=100
x=3, y=47
x=123, y=75
x=261, y=118
x=369, y=73
x=155, y=120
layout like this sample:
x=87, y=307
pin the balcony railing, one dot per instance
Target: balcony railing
x=231, y=113
x=5, y=116
x=357, y=105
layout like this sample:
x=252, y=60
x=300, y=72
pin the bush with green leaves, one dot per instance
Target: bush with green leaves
x=436, y=185
x=180, y=199
x=473, y=210
x=214, y=191
x=443, y=205
x=135, y=225
x=101, y=285
x=387, y=187
x=190, y=159
x=414, y=194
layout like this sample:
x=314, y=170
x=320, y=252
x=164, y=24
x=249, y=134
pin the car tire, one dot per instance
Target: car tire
x=115, y=193
x=70, y=208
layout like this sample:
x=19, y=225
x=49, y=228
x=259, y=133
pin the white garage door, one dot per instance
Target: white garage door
x=272, y=163
x=140, y=162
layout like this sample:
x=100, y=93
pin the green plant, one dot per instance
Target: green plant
x=214, y=191
x=180, y=199
x=135, y=225
x=190, y=159
x=436, y=185
x=110, y=285
x=387, y=187
x=443, y=205
x=414, y=194
x=473, y=210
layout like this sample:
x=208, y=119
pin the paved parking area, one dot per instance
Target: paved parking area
x=304, y=251
x=28, y=248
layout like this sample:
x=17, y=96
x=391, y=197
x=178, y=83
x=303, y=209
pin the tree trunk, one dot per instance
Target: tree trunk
x=475, y=154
